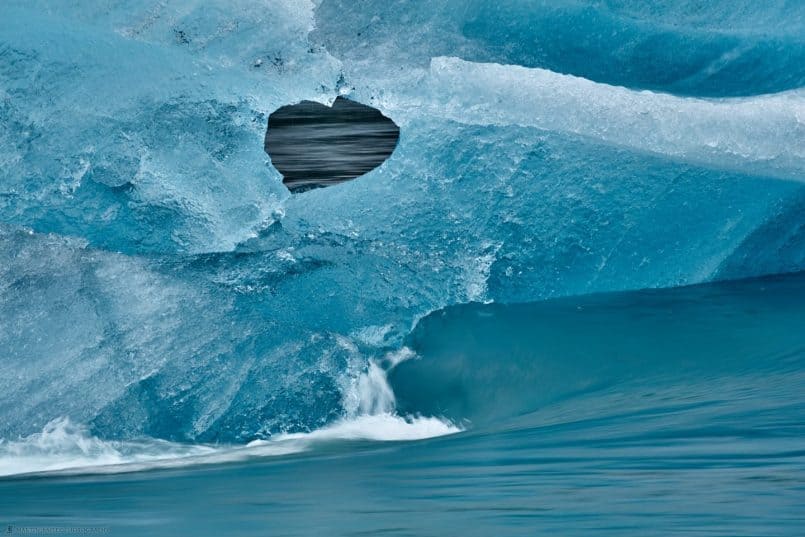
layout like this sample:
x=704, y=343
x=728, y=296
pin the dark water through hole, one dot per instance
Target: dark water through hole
x=313, y=145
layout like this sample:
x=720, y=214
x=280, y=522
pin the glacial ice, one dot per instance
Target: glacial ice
x=712, y=48
x=157, y=279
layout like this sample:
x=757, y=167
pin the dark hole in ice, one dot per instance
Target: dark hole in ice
x=313, y=145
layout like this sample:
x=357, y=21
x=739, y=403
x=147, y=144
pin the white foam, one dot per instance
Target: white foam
x=380, y=427
x=63, y=447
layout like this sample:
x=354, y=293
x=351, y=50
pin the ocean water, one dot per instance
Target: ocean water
x=641, y=413
x=570, y=301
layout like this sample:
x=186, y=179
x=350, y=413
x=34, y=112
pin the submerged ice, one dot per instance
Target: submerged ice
x=156, y=277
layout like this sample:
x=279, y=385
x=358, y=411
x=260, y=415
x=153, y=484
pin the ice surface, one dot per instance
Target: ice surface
x=157, y=279
x=709, y=48
x=140, y=127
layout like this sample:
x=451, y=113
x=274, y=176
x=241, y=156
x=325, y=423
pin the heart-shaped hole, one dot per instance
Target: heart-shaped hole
x=313, y=145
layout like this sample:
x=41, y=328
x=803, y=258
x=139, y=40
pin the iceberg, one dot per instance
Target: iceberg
x=154, y=267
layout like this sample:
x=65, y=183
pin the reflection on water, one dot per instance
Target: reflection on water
x=313, y=145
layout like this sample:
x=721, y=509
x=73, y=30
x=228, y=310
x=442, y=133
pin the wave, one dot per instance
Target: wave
x=63, y=447
x=621, y=352
x=717, y=356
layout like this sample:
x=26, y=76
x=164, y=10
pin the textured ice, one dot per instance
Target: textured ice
x=139, y=126
x=693, y=47
x=156, y=277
